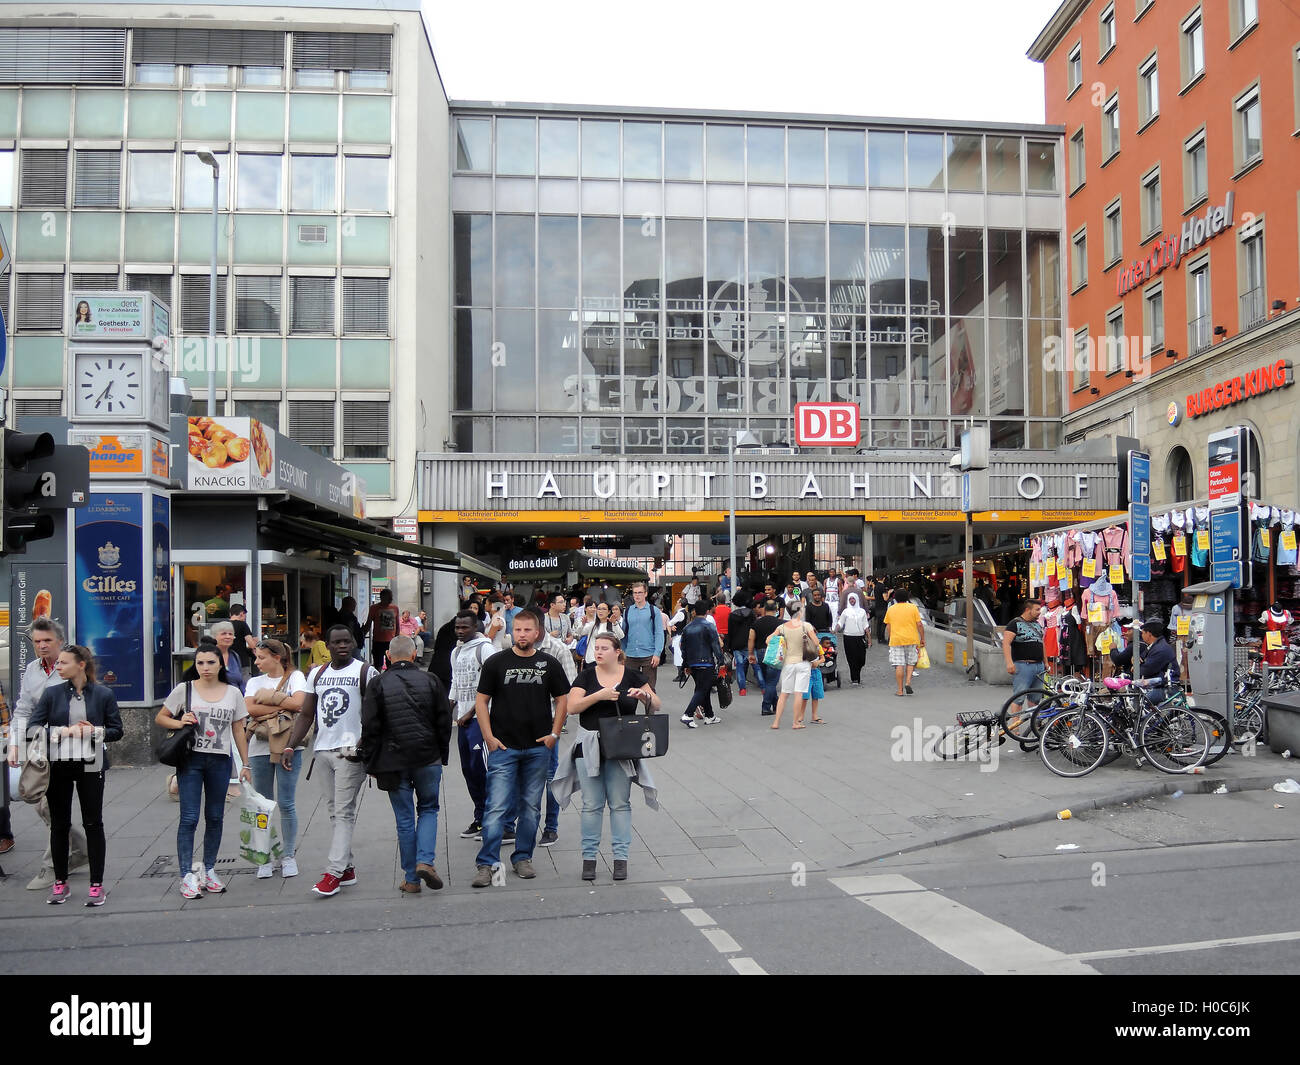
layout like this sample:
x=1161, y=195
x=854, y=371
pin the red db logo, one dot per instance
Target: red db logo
x=827, y=425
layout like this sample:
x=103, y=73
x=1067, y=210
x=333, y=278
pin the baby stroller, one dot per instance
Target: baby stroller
x=830, y=658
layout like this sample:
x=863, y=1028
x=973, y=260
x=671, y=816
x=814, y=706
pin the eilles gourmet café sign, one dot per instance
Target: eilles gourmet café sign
x=1237, y=389
x=1170, y=251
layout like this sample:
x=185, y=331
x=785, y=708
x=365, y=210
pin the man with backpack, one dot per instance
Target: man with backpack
x=405, y=737
x=644, y=640
x=467, y=657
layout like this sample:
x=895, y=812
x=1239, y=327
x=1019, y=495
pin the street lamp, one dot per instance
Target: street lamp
x=207, y=158
x=739, y=438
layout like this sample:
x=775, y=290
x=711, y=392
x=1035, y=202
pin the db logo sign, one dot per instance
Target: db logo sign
x=827, y=425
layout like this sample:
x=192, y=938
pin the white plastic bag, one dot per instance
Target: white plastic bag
x=259, y=842
x=1287, y=787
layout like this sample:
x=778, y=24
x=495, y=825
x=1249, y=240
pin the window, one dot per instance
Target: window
x=1248, y=142
x=1076, y=160
x=1193, y=47
x=97, y=179
x=1200, y=329
x=311, y=423
x=6, y=178
x=194, y=304
x=1113, y=239
x=312, y=183
x=474, y=145
x=1151, y=219
x=365, y=429
x=1081, y=367
x=1079, y=259
x=1251, y=271
x=1142, y=7
x=1042, y=166
x=44, y=178
x=1148, y=90
x=1106, y=31
x=365, y=185
x=62, y=55
x=266, y=411
x=1074, y=70
x=313, y=304
x=1196, y=182
x=40, y=301
x=257, y=304
x=93, y=282
x=365, y=305
x=1115, y=344
x=155, y=74
x=366, y=58
x=149, y=179
x=263, y=76
x=158, y=284
x=1180, y=475
x=1110, y=128
x=1153, y=317
x=1243, y=16
x=210, y=57
x=259, y=181
x=209, y=74
x=196, y=182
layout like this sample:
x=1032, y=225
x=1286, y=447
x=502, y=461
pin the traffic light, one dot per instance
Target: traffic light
x=26, y=486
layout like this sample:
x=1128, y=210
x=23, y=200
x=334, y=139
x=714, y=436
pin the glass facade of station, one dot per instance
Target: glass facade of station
x=646, y=285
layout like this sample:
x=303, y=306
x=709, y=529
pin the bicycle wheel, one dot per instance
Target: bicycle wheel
x=1174, y=740
x=1220, y=733
x=1073, y=743
x=1017, y=723
x=965, y=742
x=1247, y=720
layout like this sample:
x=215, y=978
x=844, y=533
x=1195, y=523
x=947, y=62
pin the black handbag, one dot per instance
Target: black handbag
x=175, y=747
x=724, y=689
x=631, y=736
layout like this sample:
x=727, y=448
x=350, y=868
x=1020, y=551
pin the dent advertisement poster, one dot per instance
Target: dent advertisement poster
x=110, y=576
x=162, y=601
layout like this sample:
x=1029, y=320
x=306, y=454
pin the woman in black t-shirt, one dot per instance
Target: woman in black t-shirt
x=607, y=688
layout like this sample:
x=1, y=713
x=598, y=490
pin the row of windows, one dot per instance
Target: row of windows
x=314, y=304
x=1243, y=16
x=760, y=154
x=150, y=179
x=215, y=75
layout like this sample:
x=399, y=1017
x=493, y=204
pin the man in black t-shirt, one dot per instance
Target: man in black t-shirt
x=767, y=619
x=244, y=642
x=817, y=613
x=515, y=690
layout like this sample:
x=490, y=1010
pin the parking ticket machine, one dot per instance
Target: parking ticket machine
x=1210, y=641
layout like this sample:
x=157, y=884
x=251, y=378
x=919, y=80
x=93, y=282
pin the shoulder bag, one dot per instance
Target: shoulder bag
x=632, y=736
x=276, y=728
x=34, y=780
x=175, y=747
x=812, y=648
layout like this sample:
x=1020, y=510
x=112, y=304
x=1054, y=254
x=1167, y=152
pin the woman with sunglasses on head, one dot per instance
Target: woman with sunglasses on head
x=214, y=706
x=81, y=716
x=278, y=690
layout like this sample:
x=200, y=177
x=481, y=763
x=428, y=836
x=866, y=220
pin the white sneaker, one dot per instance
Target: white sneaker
x=289, y=867
x=265, y=872
x=190, y=886
x=212, y=884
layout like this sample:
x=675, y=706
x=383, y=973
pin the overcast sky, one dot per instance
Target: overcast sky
x=946, y=59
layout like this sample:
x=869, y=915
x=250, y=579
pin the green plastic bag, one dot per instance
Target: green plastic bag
x=259, y=841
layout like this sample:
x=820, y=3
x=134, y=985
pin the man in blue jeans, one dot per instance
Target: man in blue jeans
x=767, y=620
x=1023, y=654
x=514, y=712
x=405, y=740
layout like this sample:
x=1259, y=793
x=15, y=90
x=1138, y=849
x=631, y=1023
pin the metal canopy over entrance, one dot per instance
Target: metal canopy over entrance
x=391, y=548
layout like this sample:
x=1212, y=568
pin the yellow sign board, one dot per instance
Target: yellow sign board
x=507, y=515
x=1273, y=640
x=1202, y=539
x=1090, y=567
x=1184, y=624
x=1117, y=574
x=1158, y=549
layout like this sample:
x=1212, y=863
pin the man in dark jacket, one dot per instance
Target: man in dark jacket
x=738, y=626
x=405, y=739
x=701, y=655
x=1157, y=658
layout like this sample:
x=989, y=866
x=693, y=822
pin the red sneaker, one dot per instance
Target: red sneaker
x=349, y=877
x=327, y=885
x=743, y=692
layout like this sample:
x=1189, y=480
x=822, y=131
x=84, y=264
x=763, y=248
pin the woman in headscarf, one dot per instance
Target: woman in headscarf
x=854, y=623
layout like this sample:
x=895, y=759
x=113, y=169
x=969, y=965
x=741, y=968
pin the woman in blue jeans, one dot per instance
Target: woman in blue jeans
x=607, y=688
x=278, y=690
x=213, y=706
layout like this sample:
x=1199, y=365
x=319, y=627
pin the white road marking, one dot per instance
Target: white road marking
x=1180, y=948
x=675, y=895
x=698, y=918
x=722, y=942
x=967, y=935
x=747, y=967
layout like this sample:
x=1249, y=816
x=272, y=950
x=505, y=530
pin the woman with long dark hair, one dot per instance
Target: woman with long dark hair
x=80, y=717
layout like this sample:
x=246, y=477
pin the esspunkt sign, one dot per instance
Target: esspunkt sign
x=1171, y=250
x=1241, y=388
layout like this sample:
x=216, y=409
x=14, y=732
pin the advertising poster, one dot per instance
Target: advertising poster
x=229, y=455
x=1225, y=468
x=113, y=453
x=120, y=315
x=109, y=571
x=162, y=599
x=36, y=590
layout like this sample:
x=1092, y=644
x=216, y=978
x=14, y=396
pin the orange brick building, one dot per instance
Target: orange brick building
x=1182, y=236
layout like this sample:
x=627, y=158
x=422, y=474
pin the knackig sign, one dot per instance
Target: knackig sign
x=1238, y=389
x=1170, y=251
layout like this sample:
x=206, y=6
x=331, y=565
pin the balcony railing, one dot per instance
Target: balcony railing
x=1253, y=310
x=1201, y=333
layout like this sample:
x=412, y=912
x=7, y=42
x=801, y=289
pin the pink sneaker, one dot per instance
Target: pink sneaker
x=97, y=896
x=59, y=893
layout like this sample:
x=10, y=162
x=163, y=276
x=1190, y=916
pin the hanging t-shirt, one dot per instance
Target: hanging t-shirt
x=338, y=704
x=296, y=683
x=1286, y=540
x=212, y=736
x=1261, y=519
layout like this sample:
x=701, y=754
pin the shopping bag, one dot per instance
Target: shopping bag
x=774, y=653
x=922, y=659
x=259, y=842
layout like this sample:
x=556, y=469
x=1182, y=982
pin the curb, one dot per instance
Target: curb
x=1198, y=785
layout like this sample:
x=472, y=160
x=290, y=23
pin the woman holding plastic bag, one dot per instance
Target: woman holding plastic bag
x=272, y=699
x=212, y=705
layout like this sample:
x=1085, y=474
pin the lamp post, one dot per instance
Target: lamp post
x=740, y=438
x=207, y=158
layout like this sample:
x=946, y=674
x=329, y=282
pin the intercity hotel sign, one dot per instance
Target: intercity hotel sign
x=1169, y=251
x=1238, y=389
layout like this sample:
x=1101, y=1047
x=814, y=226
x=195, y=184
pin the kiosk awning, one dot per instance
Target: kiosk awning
x=419, y=556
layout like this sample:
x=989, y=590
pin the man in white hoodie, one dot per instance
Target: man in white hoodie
x=467, y=657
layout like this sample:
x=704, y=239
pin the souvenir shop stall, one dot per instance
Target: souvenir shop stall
x=1083, y=575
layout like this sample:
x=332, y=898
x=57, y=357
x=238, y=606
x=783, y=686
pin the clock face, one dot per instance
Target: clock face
x=109, y=386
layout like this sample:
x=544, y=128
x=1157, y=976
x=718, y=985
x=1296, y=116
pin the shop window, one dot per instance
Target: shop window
x=274, y=618
x=209, y=592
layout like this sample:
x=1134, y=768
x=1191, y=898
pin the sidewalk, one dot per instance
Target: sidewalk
x=736, y=800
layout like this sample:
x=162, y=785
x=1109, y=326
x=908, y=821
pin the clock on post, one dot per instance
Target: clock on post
x=117, y=370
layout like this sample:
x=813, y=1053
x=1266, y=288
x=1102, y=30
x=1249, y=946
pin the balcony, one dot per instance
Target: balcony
x=1254, y=310
x=1200, y=333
